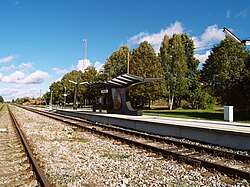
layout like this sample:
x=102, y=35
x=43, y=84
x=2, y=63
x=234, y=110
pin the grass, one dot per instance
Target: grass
x=73, y=139
x=115, y=156
x=213, y=114
x=83, y=140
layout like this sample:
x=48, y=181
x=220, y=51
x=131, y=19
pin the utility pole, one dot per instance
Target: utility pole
x=128, y=64
x=51, y=91
x=75, y=92
x=65, y=95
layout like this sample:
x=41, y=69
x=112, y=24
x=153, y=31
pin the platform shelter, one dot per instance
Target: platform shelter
x=119, y=88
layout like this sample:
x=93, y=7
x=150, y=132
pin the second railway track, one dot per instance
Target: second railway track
x=17, y=164
x=233, y=164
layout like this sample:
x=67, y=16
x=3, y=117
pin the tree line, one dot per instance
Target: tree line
x=1, y=99
x=224, y=78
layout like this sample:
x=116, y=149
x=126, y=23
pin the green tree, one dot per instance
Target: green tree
x=240, y=95
x=193, y=91
x=46, y=97
x=1, y=99
x=57, y=92
x=19, y=100
x=117, y=63
x=145, y=63
x=87, y=93
x=224, y=69
x=76, y=76
x=173, y=60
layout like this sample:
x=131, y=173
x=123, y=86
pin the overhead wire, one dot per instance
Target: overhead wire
x=204, y=48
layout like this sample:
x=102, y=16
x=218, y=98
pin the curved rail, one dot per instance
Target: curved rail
x=38, y=172
x=2, y=107
x=186, y=156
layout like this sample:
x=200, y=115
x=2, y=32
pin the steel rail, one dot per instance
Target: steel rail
x=38, y=172
x=189, y=159
x=199, y=148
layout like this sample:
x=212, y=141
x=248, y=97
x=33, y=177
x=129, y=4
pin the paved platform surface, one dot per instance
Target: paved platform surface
x=228, y=134
x=206, y=124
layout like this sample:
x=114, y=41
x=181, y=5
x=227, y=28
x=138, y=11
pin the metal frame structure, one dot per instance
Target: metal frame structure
x=234, y=37
x=119, y=87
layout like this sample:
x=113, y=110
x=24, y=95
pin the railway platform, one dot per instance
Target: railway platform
x=228, y=134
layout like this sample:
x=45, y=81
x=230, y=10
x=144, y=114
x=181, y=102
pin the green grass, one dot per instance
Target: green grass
x=83, y=140
x=73, y=139
x=214, y=115
x=115, y=156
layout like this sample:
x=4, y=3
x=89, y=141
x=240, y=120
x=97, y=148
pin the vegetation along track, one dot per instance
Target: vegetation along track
x=17, y=164
x=231, y=163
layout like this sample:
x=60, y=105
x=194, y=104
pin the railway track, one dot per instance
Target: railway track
x=17, y=164
x=232, y=164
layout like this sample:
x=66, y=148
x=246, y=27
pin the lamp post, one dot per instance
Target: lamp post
x=231, y=35
x=75, y=92
x=51, y=91
x=65, y=95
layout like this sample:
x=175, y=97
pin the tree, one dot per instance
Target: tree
x=173, y=60
x=87, y=93
x=76, y=76
x=1, y=99
x=146, y=64
x=224, y=69
x=117, y=63
x=193, y=91
x=20, y=100
x=57, y=92
x=240, y=95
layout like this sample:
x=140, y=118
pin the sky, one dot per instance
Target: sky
x=41, y=40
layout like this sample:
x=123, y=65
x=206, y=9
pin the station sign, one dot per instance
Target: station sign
x=104, y=91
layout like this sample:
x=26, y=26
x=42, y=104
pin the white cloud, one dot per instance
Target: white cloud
x=1, y=75
x=6, y=59
x=13, y=93
x=7, y=68
x=98, y=65
x=155, y=39
x=134, y=40
x=15, y=77
x=59, y=71
x=202, y=57
x=83, y=64
x=26, y=66
x=59, y=79
x=8, y=94
x=36, y=77
x=211, y=36
x=242, y=14
x=228, y=14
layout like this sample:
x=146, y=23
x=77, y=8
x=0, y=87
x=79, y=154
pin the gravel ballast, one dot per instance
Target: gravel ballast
x=70, y=157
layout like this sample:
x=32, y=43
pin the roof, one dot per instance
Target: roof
x=125, y=80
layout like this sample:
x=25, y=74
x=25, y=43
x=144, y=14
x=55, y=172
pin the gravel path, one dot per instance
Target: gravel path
x=73, y=158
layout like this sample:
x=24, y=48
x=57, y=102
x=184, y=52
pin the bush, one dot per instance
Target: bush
x=207, y=101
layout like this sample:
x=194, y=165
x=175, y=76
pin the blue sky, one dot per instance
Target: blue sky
x=41, y=40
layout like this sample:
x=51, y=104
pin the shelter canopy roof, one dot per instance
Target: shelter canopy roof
x=125, y=80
